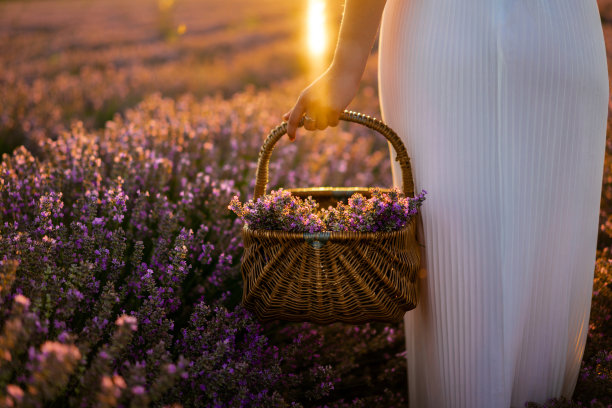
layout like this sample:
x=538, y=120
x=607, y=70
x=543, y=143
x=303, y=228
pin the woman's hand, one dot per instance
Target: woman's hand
x=323, y=101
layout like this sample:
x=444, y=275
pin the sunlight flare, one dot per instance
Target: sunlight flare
x=317, y=33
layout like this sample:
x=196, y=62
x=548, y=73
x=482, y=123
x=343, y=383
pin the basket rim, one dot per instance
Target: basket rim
x=330, y=235
x=335, y=189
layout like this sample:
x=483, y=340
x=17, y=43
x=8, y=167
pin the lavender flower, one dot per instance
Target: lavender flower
x=279, y=210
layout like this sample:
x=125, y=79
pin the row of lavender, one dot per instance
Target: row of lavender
x=120, y=276
x=87, y=60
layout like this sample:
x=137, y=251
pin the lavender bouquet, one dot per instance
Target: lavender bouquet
x=279, y=210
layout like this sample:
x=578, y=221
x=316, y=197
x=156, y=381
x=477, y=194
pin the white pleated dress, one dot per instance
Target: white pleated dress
x=502, y=105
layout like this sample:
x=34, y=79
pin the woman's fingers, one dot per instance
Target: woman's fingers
x=315, y=117
x=310, y=121
x=294, y=118
x=321, y=121
x=333, y=117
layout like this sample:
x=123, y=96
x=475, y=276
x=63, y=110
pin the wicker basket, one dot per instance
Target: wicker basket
x=351, y=277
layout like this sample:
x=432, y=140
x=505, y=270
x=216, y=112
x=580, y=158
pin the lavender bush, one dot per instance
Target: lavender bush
x=120, y=276
x=562, y=403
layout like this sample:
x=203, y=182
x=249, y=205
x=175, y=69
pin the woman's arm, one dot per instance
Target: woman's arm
x=328, y=95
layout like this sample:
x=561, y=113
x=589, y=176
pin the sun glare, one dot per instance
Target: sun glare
x=317, y=36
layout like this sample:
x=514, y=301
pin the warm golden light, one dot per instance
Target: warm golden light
x=165, y=5
x=317, y=35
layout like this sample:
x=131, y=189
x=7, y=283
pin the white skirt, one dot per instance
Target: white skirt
x=502, y=105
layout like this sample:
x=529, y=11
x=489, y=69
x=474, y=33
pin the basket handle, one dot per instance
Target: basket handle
x=349, y=116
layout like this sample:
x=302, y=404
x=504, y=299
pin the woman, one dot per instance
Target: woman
x=502, y=107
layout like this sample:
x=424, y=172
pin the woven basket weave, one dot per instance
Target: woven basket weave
x=351, y=277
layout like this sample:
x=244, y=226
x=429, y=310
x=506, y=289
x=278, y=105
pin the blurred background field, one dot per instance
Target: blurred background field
x=167, y=102
x=86, y=60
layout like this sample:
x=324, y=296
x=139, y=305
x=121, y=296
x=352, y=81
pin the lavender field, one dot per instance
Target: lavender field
x=127, y=127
